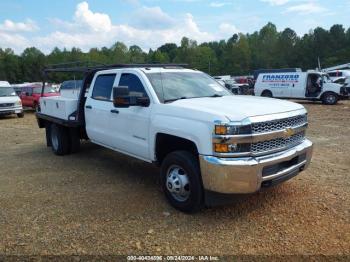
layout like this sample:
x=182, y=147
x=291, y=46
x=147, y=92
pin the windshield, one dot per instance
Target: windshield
x=7, y=91
x=171, y=86
x=48, y=89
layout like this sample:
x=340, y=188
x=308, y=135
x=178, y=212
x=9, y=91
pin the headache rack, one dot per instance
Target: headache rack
x=88, y=66
x=88, y=69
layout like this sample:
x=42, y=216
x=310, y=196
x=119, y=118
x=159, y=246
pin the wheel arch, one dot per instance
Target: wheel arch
x=266, y=91
x=167, y=143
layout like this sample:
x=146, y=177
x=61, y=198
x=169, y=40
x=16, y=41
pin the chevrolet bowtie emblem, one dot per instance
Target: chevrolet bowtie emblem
x=288, y=132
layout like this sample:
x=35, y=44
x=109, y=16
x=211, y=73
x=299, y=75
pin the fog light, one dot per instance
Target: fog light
x=221, y=148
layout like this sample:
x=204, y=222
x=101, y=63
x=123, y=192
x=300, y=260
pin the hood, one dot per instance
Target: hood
x=9, y=99
x=237, y=108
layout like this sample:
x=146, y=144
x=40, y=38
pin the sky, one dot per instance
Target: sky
x=150, y=23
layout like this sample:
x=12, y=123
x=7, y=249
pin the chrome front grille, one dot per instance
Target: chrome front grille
x=280, y=124
x=277, y=144
x=3, y=105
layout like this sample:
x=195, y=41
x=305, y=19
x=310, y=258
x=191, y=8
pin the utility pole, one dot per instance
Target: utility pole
x=209, y=65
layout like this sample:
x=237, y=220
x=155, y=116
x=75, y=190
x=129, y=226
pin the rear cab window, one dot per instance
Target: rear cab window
x=103, y=86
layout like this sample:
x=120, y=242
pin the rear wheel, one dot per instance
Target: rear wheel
x=266, y=93
x=181, y=181
x=59, y=140
x=329, y=98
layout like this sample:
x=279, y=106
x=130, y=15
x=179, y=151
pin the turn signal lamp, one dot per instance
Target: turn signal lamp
x=220, y=130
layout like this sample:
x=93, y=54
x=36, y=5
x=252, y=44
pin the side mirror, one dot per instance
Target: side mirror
x=123, y=99
x=121, y=96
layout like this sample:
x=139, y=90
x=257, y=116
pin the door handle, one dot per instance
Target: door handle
x=114, y=111
x=88, y=107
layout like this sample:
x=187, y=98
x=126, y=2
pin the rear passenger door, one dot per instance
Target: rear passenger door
x=98, y=108
x=130, y=126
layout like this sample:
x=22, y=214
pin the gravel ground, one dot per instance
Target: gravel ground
x=99, y=202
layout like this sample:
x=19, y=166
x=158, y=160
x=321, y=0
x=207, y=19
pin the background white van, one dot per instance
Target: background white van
x=311, y=85
x=10, y=103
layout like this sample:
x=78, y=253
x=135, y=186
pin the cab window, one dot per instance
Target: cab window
x=135, y=85
x=103, y=87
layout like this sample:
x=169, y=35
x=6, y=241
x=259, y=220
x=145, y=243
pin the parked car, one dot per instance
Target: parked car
x=339, y=80
x=31, y=94
x=10, y=103
x=311, y=85
x=207, y=142
x=335, y=74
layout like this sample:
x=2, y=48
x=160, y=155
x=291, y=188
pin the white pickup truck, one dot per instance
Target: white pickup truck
x=311, y=85
x=207, y=142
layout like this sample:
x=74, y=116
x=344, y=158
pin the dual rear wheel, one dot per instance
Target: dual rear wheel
x=63, y=140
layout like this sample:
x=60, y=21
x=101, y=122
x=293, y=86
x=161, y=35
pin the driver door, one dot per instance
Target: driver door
x=131, y=125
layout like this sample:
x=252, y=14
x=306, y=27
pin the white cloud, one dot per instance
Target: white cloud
x=219, y=4
x=14, y=41
x=276, y=2
x=152, y=18
x=306, y=8
x=27, y=26
x=227, y=30
x=148, y=35
x=96, y=22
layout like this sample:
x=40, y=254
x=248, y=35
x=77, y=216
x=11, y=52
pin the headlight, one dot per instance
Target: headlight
x=18, y=103
x=227, y=129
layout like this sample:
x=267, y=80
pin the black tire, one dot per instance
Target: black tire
x=189, y=164
x=330, y=98
x=74, y=137
x=60, y=142
x=20, y=115
x=266, y=93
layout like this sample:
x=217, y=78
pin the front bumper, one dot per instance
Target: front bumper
x=249, y=174
x=11, y=110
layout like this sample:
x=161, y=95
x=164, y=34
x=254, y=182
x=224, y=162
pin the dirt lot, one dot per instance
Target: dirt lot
x=100, y=202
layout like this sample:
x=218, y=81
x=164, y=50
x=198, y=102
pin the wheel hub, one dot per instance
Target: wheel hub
x=330, y=98
x=177, y=183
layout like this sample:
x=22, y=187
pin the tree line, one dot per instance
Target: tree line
x=239, y=55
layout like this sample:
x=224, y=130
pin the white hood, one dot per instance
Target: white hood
x=237, y=108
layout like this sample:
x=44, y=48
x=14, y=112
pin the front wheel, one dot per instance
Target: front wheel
x=266, y=93
x=20, y=115
x=329, y=98
x=181, y=181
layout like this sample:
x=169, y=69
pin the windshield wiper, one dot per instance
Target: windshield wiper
x=174, y=99
x=216, y=95
x=185, y=97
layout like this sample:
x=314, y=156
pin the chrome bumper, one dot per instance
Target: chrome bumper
x=245, y=175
